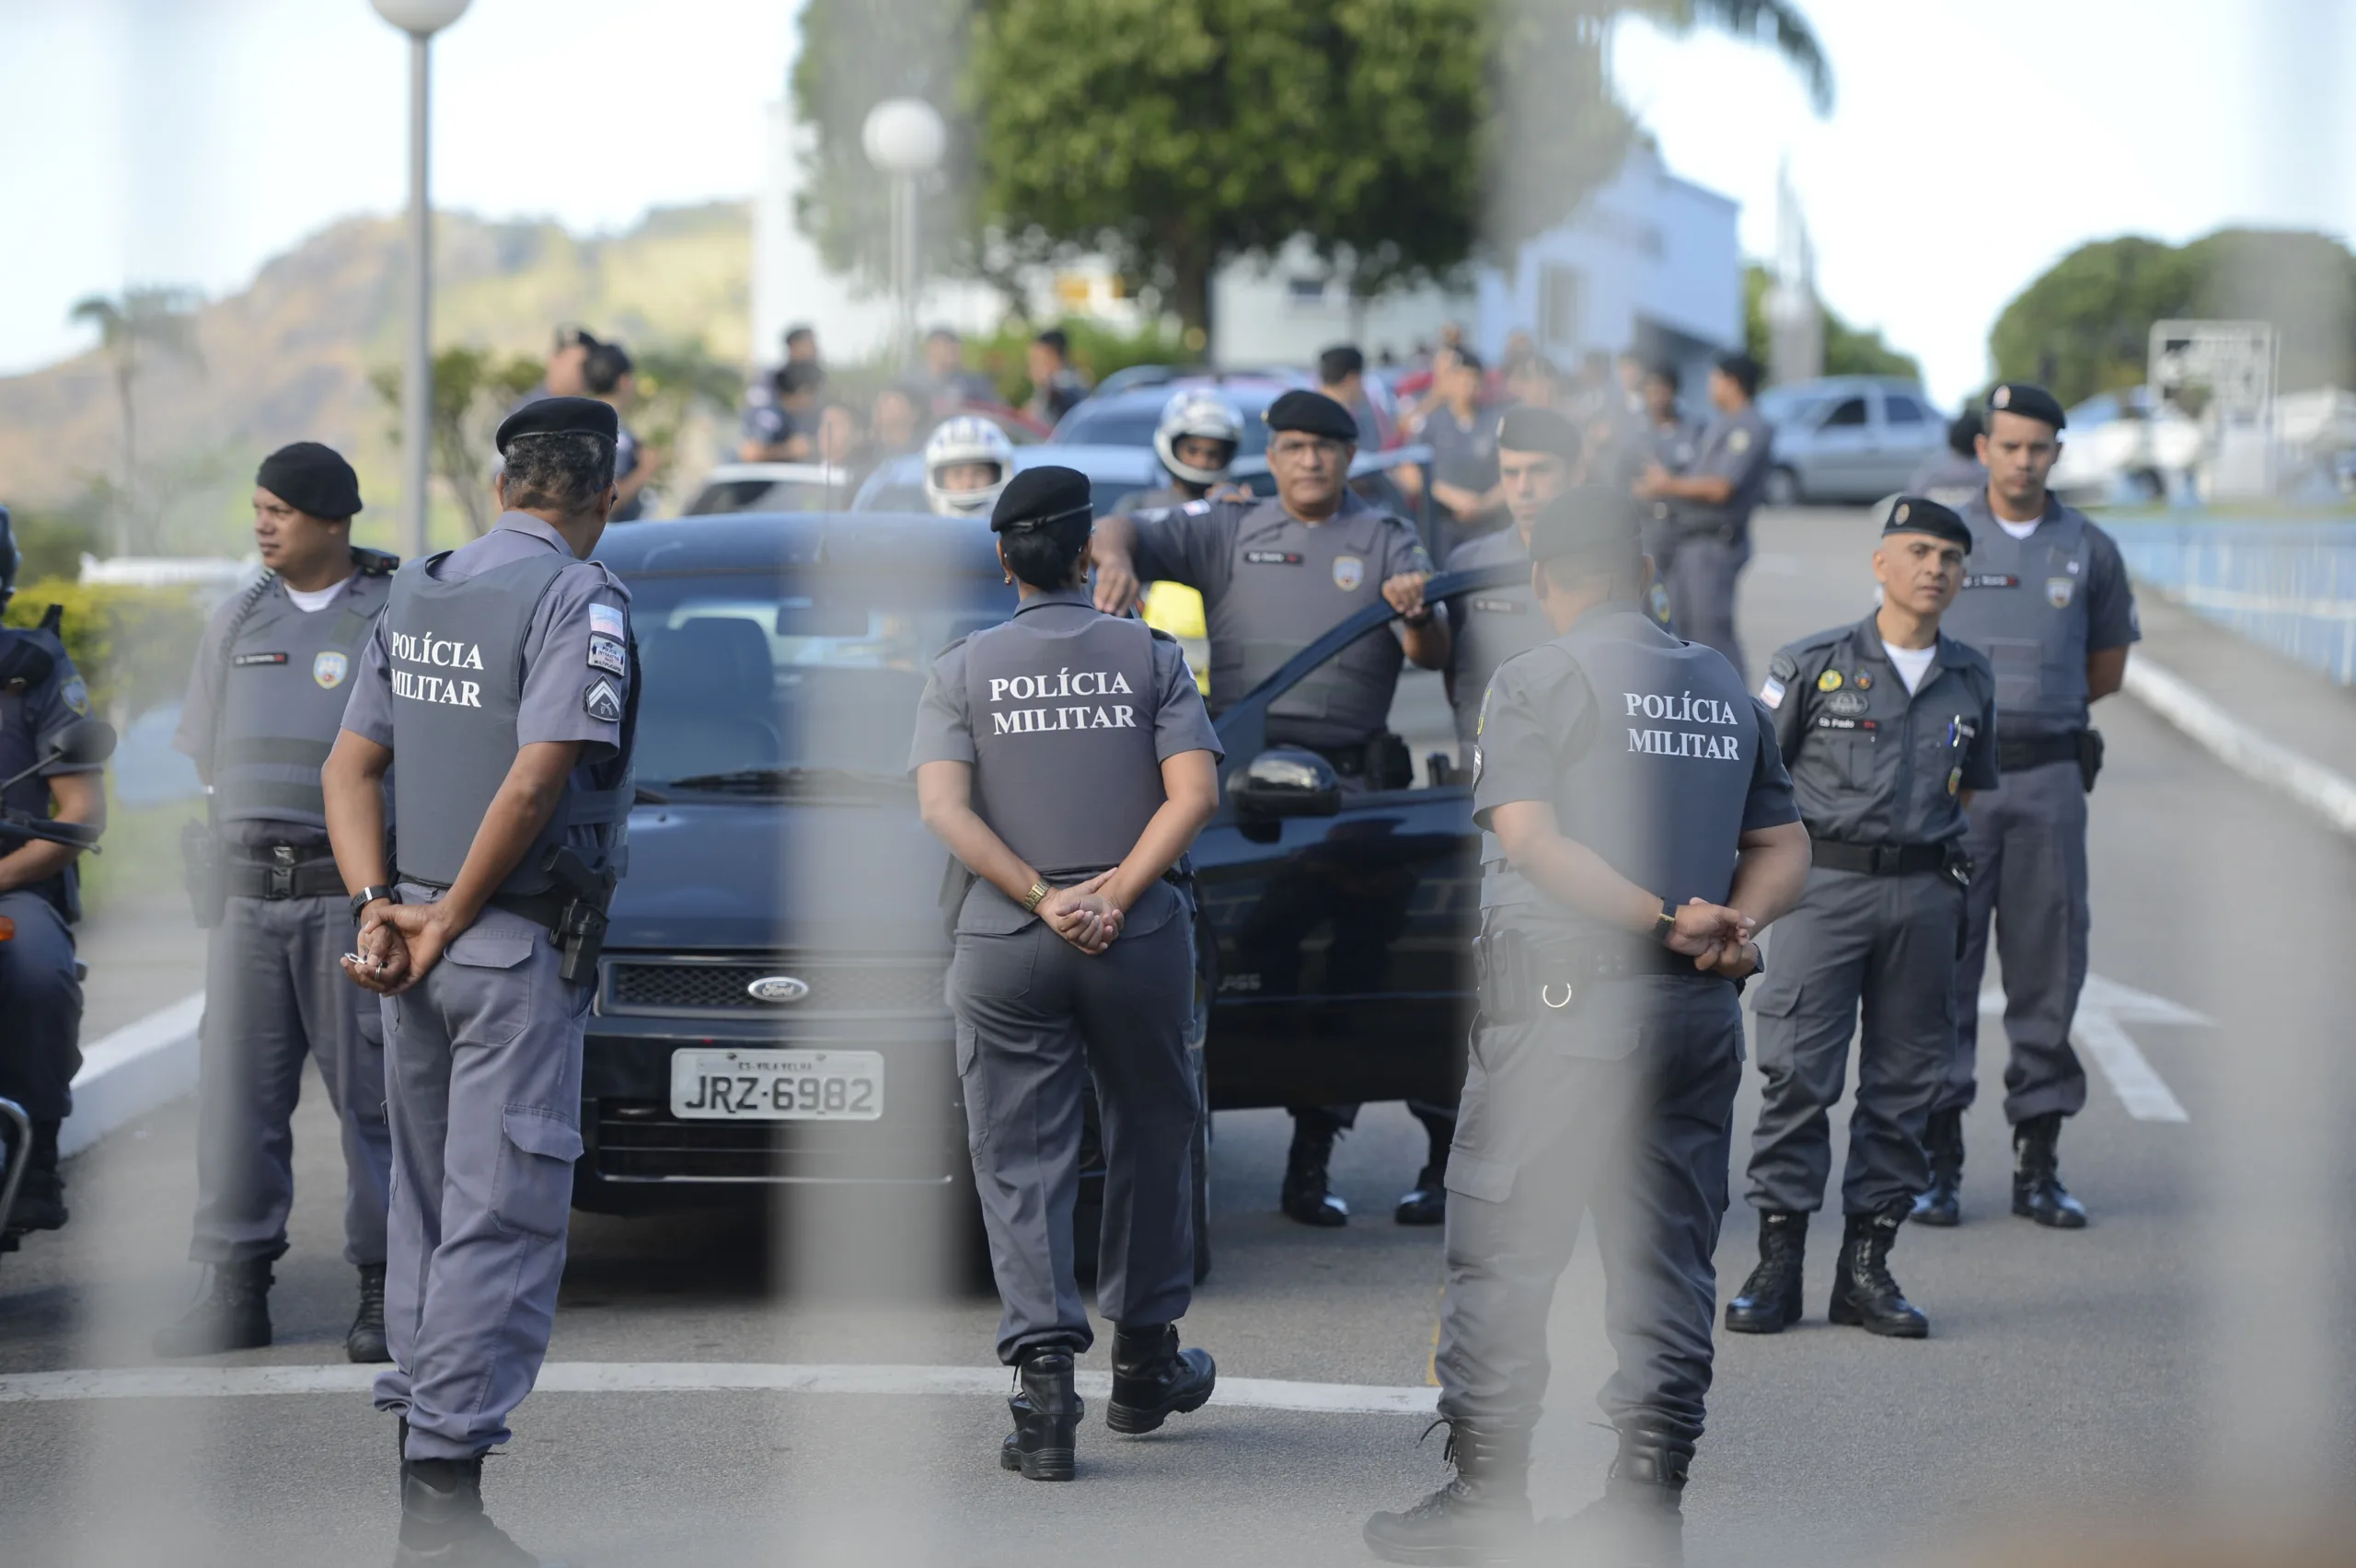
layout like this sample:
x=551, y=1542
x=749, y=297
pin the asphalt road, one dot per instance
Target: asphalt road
x=2186, y=1352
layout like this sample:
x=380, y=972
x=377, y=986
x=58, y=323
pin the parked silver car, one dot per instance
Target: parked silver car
x=1848, y=437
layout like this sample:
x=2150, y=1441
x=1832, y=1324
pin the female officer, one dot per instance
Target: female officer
x=1066, y=758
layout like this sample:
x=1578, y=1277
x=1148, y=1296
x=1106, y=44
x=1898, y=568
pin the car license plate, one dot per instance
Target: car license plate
x=777, y=1086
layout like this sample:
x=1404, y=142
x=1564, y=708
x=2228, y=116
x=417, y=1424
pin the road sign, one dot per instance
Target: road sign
x=2231, y=365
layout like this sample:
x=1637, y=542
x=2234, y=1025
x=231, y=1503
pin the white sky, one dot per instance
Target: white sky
x=1973, y=142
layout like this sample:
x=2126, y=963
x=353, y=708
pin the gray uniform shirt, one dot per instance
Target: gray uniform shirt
x=2037, y=608
x=1737, y=446
x=944, y=724
x=1464, y=450
x=576, y=639
x=1271, y=585
x=1492, y=625
x=1870, y=762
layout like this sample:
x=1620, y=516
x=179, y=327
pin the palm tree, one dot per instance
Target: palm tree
x=156, y=317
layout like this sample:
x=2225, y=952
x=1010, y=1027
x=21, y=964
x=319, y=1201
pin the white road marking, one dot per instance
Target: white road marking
x=684, y=1377
x=2328, y=793
x=2097, y=1031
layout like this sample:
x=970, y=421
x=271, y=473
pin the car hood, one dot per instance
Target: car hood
x=753, y=874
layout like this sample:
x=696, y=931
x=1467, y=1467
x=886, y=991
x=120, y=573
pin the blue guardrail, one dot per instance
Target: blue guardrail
x=2289, y=586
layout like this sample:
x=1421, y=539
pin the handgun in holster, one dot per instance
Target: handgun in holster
x=1956, y=866
x=2089, y=758
x=580, y=928
x=206, y=872
x=1501, y=975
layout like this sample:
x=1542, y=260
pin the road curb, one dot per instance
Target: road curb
x=139, y=1067
x=2328, y=793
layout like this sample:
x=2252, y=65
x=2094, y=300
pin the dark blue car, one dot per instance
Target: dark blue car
x=769, y=1009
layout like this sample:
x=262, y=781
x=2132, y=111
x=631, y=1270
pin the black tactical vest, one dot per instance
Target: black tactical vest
x=1065, y=766
x=1661, y=786
x=458, y=676
x=287, y=675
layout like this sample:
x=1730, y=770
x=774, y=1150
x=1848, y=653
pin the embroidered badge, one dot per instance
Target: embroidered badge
x=1772, y=694
x=605, y=620
x=77, y=696
x=1348, y=572
x=608, y=655
x=603, y=702
x=328, y=669
x=2057, y=590
x=1829, y=681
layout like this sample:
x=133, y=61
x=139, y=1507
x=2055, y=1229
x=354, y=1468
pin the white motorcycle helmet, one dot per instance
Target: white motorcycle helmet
x=967, y=438
x=1198, y=413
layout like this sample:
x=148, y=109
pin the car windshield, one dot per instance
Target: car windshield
x=766, y=495
x=764, y=681
x=1124, y=423
x=1103, y=493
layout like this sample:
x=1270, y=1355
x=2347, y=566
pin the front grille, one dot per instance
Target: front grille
x=872, y=986
x=637, y=1140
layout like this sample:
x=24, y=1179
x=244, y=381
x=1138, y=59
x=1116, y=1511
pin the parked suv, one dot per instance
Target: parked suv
x=1848, y=437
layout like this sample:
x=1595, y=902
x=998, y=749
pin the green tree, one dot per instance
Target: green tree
x=472, y=390
x=1401, y=138
x=144, y=317
x=1848, y=350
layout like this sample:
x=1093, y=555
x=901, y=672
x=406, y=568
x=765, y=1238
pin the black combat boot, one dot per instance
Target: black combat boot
x=1863, y=1293
x=2037, y=1191
x=1046, y=1416
x=1426, y=1201
x=1639, y=1522
x=1153, y=1380
x=1768, y=1302
x=1943, y=1141
x=233, y=1315
x=365, y=1341
x=1306, y=1198
x=1481, y=1516
x=443, y=1524
x=41, y=1196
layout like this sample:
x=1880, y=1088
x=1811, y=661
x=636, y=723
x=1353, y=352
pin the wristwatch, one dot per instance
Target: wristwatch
x=1664, y=924
x=368, y=895
x=1031, y=900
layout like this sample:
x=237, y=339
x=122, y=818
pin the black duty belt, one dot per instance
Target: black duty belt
x=282, y=871
x=1880, y=860
x=1517, y=976
x=2017, y=753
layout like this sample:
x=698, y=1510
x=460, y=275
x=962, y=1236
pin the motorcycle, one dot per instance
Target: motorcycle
x=85, y=743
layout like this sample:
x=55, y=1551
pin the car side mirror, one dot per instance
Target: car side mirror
x=1288, y=782
x=83, y=743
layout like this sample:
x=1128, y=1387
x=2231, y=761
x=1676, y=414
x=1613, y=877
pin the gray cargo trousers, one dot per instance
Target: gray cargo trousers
x=1036, y=1018
x=1624, y=1107
x=2028, y=842
x=274, y=995
x=483, y=1081
x=1885, y=945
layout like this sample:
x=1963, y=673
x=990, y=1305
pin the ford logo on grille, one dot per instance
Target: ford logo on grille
x=778, y=989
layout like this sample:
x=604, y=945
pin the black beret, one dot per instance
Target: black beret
x=311, y=478
x=1313, y=413
x=1539, y=430
x=560, y=416
x=2028, y=400
x=1584, y=520
x=1913, y=514
x=1039, y=498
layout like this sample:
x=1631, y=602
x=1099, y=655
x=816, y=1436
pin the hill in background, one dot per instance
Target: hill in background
x=288, y=358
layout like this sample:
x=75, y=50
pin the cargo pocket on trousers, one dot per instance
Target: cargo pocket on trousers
x=1491, y=1181
x=532, y=1194
x=497, y=1013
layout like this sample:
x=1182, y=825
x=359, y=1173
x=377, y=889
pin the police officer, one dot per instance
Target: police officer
x=40, y=694
x=1672, y=440
x=264, y=702
x=1954, y=475
x=1646, y=830
x=1273, y=574
x=1887, y=728
x=1066, y=760
x=506, y=665
x=1710, y=505
x=2046, y=597
x=1197, y=440
x=1538, y=450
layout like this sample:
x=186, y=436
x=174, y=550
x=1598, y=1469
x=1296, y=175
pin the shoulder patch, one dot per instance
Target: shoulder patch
x=1193, y=508
x=605, y=620
x=602, y=702
x=76, y=695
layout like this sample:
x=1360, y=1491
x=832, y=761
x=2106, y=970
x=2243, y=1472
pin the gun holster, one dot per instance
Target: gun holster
x=580, y=924
x=1501, y=975
x=2089, y=757
x=206, y=873
x=1958, y=866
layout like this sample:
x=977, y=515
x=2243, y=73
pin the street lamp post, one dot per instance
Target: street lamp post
x=903, y=138
x=421, y=19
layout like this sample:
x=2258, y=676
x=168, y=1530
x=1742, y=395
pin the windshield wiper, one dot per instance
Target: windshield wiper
x=794, y=780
